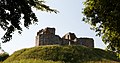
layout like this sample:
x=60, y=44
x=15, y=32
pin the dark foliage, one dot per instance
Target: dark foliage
x=104, y=16
x=13, y=11
x=3, y=56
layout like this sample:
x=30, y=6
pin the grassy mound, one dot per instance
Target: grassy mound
x=33, y=61
x=67, y=54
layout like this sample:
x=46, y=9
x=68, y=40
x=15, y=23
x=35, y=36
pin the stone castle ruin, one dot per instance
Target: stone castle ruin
x=47, y=37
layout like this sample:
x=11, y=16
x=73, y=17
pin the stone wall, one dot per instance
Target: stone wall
x=89, y=42
x=47, y=37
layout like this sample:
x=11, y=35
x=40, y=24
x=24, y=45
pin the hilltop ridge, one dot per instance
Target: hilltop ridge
x=61, y=54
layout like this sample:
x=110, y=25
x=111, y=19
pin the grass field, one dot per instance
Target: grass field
x=62, y=54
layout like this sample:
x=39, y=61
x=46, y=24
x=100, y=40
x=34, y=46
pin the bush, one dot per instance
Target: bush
x=3, y=56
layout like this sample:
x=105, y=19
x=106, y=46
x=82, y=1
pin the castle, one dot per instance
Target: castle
x=47, y=37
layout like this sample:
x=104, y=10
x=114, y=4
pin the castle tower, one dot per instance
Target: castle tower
x=47, y=37
x=49, y=30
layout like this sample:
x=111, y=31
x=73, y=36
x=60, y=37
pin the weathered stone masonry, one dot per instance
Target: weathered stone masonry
x=47, y=37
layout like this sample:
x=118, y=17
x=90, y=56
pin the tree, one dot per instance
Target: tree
x=13, y=11
x=103, y=16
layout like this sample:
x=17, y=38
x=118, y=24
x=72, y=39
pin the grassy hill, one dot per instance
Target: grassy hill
x=62, y=54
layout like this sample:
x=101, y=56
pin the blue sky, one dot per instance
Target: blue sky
x=68, y=20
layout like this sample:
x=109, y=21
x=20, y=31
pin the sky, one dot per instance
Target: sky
x=69, y=19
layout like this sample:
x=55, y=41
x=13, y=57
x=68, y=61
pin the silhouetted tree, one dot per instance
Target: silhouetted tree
x=12, y=11
x=104, y=16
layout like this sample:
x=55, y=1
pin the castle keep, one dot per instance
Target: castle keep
x=47, y=37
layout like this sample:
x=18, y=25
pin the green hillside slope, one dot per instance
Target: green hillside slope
x=60, y=54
